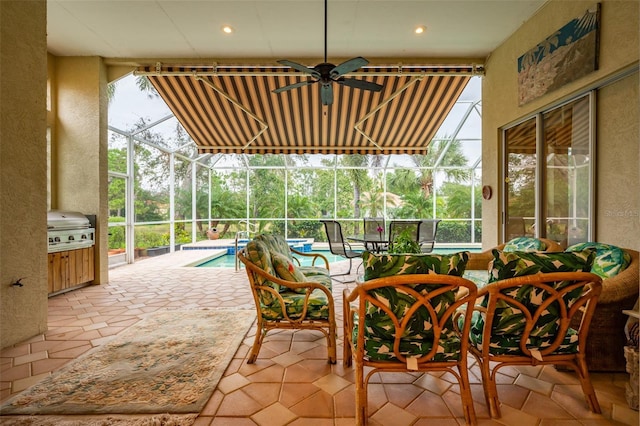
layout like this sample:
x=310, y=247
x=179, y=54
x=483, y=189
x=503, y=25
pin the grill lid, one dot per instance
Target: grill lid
x=60, y=219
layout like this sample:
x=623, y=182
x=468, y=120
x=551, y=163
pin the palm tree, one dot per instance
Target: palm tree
x=144, y=84
x=402, y=181
x=445, y=154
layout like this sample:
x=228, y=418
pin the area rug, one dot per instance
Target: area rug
x=170, y=362
x=104, y=420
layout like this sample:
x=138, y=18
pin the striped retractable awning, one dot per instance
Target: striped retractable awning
x=233, y=110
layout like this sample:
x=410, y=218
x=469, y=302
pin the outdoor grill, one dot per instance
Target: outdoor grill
x=69, y=230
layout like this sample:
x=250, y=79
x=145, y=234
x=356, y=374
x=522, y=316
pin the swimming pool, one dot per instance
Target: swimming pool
x=228, y=260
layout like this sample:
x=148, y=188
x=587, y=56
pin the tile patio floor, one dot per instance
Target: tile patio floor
x=291, y=382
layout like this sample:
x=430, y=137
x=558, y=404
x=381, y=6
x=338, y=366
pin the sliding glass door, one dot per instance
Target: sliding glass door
x=549, y=174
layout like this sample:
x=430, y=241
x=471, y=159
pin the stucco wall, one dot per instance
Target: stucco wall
x=23, y=165
x=81, y=145
x=618, y=162
x=618, y=50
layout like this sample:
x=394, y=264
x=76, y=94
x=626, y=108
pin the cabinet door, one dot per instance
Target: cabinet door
x=81, y=268
x=88, y=269
x=58, y=271
x=75, y=268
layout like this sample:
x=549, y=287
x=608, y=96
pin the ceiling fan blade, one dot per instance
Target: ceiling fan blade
x=326, y=94
x=348, y=66
x=293, y=86
x=359, y=84
x=300, y=68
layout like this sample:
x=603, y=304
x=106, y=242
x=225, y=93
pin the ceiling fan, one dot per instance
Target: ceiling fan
x=326, y=74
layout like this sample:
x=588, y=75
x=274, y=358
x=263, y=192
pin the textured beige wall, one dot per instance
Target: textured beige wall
x=23, y=168
x=618, y=160
x=81, y=145
x=618, y=50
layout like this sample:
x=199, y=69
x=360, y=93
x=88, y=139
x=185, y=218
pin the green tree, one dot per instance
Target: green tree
x=357, y=176
x=402, y=181
x=458, y=201
x=443, y=154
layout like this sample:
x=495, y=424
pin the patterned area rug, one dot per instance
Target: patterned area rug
x=104, y=420
x=170, y=362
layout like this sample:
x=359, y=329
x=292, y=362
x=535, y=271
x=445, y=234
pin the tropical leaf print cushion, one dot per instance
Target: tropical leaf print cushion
x=524, y=244
x=418, y=337
x=316, y=306
x=513, y=264
x=378, y=265
x=509, y=321
x=610, y=260
x=258, y=253
x=287, y=270
x=275, y=243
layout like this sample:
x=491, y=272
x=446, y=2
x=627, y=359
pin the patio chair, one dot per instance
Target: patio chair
x=285, y=298
x=526, y=320
x=428, y=231
x=407, y=227
x=371, y=226
x=338, y=245
x=404, y=323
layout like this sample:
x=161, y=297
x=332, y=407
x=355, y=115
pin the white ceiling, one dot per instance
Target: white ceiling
x=282, y=29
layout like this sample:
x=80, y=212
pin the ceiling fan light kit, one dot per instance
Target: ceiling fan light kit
x=326, y=73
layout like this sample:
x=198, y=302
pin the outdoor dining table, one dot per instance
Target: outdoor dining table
x=375, y=240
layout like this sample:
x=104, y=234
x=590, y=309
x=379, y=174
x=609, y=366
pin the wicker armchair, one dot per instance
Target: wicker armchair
x=299, y=302
x=480, y=261
x=403, y=323
x=605, y=347
x=527, y=320
x=400, y=319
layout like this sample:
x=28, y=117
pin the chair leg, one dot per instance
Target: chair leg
x=490, y=389
x=466, y=397
x=346, y=273
x=331, y=344
x=361, y=395
x=347, y=355
x=257, y=343
x=587, y=386
x=333, y=277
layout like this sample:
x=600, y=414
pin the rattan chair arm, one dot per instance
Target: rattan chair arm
x=289, y=284
x=315, y=256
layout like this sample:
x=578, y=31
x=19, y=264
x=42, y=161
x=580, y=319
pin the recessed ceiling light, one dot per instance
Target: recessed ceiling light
x=227, y=29
x=420, y=29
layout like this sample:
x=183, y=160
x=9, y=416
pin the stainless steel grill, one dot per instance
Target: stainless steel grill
x=68, y=230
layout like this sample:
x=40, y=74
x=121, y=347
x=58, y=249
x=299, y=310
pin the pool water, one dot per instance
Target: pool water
x=229, y=260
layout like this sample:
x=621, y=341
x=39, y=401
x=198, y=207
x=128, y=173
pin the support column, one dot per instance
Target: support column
x=23, y=170
x=82, y=146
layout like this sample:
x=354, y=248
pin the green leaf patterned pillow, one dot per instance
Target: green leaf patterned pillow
x=513, y=264
x=377, y=265
x=286, y=270
x=258, y=253
x=275, y=243
x=610, y=260
x=524, y=244
x=418, y=338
